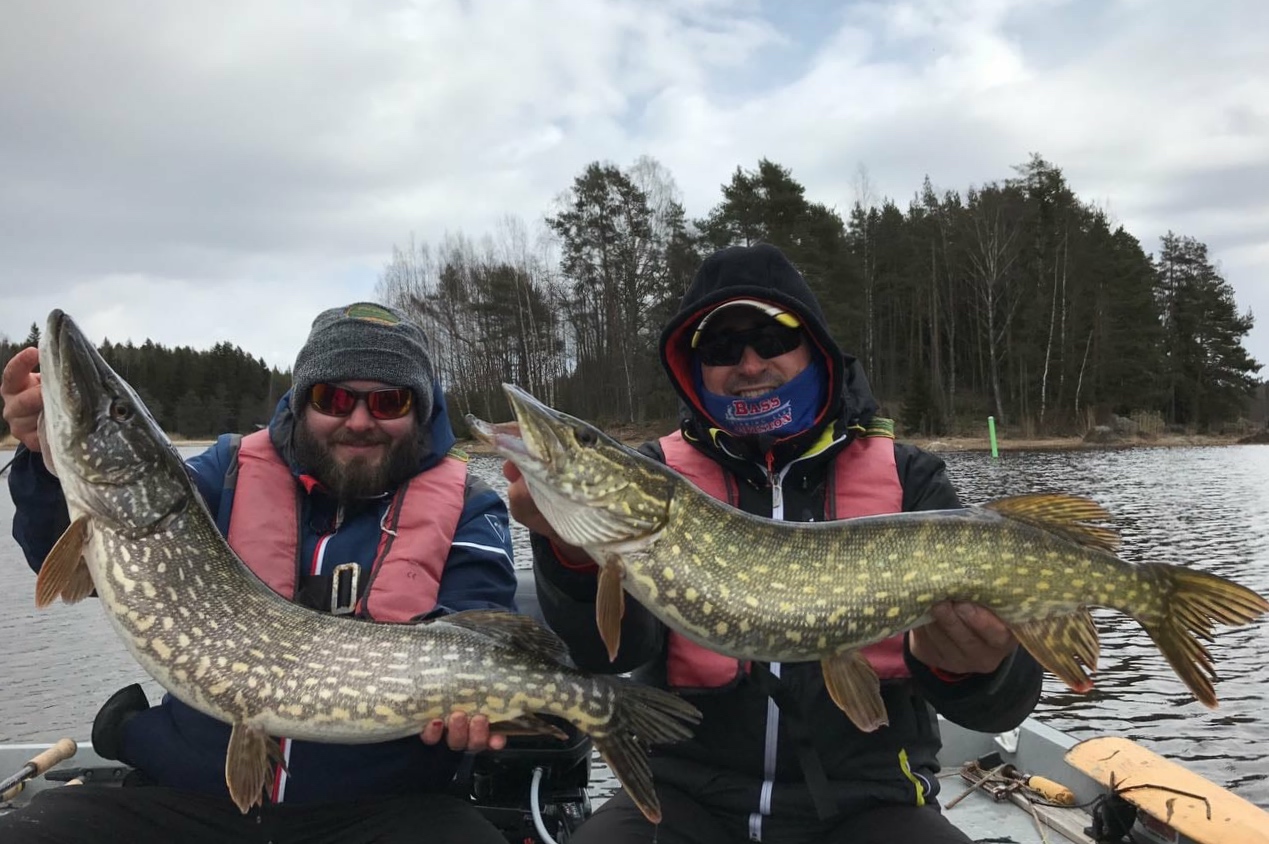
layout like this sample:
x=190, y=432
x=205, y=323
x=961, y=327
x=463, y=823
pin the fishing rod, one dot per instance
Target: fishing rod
x=62, y=750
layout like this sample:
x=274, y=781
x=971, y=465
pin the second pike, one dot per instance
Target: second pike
x=759, y=589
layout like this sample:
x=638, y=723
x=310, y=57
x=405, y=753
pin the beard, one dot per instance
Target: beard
x=359, y=477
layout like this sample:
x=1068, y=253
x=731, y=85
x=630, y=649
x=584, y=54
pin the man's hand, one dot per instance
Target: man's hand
x=963, y=639
x=23, y=399
x=463, y=733
x=520, y=503
x=523, y=510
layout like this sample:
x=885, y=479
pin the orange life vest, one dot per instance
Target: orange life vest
x=417, y=531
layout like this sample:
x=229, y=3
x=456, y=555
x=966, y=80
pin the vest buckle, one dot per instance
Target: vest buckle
x=343, y=588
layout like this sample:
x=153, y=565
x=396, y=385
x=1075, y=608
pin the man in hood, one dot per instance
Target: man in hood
x=779, y=422
x=359, y=452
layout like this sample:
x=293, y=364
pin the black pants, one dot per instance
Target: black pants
x=85, y=813
x=684, y=821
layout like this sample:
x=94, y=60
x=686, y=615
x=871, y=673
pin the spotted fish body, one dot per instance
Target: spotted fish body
x=761, y=589
x=216, y=637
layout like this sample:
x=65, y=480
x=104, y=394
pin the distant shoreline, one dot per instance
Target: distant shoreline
x=633, y=437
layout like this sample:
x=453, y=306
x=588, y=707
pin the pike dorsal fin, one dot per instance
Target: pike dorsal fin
x=511, y=630
x=1065, y=515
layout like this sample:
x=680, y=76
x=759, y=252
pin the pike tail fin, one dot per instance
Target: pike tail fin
x=1189, y=603
x=642, y=716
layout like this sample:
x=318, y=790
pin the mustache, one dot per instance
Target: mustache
x=367, y=438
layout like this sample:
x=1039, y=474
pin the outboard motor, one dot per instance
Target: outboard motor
x=534, y=789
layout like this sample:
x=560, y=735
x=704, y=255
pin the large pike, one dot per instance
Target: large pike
x=759, y=589
x=211, y=633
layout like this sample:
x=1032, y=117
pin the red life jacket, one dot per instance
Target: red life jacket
x=864, y=482
x=418, y=530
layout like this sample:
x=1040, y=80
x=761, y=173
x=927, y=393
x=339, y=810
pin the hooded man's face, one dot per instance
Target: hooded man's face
x=753, y=374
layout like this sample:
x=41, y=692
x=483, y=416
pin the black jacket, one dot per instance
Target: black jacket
x=724, y=764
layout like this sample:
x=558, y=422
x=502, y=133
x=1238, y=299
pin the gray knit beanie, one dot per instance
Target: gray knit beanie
x=365, y=342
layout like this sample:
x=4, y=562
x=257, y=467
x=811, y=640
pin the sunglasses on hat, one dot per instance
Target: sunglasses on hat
x=387, y=403
x=769, y=341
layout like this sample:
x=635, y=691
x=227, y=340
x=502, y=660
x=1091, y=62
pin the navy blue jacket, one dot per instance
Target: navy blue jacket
x=174, y=745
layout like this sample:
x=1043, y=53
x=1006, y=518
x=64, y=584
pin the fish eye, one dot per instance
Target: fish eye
x=120, y=410
x=586, y=435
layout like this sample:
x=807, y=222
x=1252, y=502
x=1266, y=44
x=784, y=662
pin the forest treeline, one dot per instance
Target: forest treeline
x=194, y=394
x=1013, y=299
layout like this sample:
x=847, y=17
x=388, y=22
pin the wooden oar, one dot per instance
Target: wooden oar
x=11, y=786
x=1171, y=794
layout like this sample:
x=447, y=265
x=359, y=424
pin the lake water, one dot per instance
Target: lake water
x=1201, y=507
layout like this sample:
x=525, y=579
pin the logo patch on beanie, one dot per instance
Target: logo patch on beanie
x=371, y=313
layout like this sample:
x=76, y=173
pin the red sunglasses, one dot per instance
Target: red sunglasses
x=334, y=400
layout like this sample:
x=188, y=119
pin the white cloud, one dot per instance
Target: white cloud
x=197, y=173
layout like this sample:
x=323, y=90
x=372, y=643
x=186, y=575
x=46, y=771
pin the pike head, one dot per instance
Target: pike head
x=597, y=493
x=115, y=464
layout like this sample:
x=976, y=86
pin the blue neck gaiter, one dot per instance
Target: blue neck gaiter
x=787, y=410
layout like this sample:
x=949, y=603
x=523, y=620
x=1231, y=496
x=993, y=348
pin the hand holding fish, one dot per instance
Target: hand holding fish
x=520, y=503
x=526, y=512
x=964, y=638
x=463, y=734
x=23, y=400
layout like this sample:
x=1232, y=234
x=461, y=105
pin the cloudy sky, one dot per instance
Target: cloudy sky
x=196, y=172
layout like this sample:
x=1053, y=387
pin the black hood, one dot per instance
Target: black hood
x=762, y=272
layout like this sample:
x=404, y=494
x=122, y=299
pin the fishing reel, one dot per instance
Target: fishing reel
x=1113, y=819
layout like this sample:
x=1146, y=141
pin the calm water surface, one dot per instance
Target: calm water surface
x=1202, y=507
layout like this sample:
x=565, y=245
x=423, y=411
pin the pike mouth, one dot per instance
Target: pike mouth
x=531, y=439
x=504, y=438
x=544, y=444
x=72, y=375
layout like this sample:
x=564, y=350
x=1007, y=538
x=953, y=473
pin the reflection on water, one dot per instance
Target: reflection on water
x=1201, y=507
x=1207, y=508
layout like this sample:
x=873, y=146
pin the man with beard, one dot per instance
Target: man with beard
x=350, y=502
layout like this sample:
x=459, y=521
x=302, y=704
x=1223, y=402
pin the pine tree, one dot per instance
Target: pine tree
x=1210, y=374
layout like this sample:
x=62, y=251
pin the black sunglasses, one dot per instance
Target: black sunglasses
x=769, y=341
x=387, y=403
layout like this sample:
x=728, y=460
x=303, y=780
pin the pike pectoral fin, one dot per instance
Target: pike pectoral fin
x=64, y=571
x=854, y=687
x=610, y=605
x=46, y=455
x=1060, y=644
x=249, y=765
x=528, y=725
